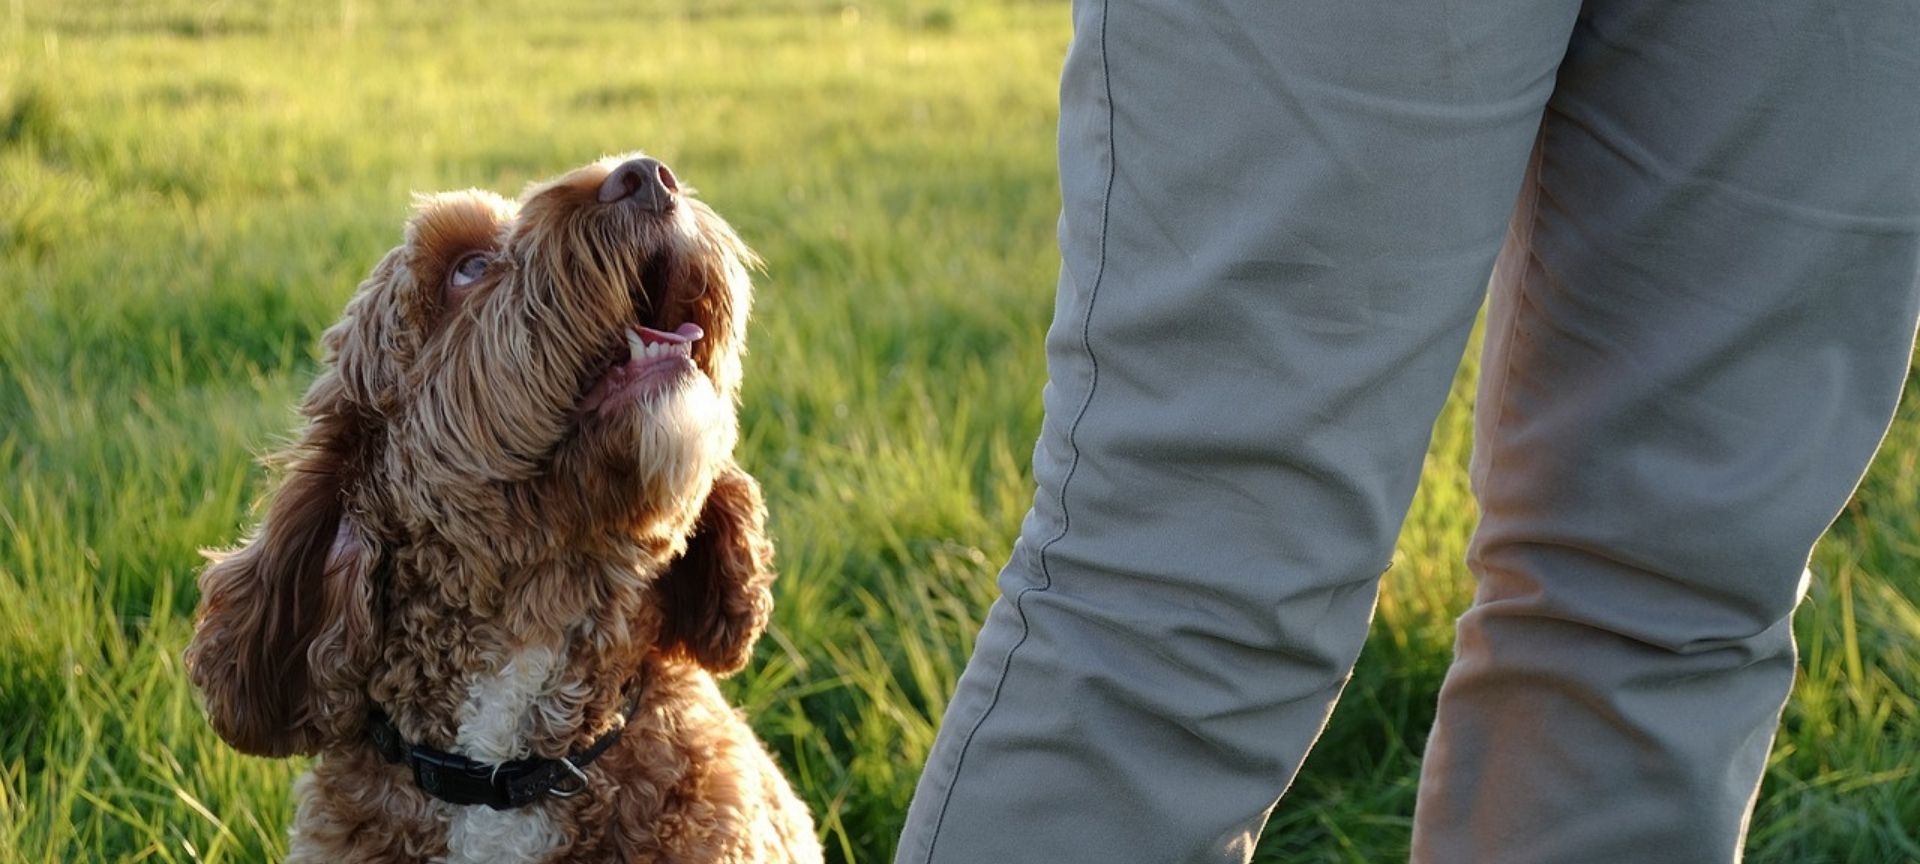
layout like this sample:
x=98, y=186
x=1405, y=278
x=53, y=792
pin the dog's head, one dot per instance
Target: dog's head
x=566, y=365
x=517, y=381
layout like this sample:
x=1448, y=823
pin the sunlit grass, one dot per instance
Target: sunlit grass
x=189, y=191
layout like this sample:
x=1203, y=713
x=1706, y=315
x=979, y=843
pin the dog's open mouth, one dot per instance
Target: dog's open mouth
x=653, y=360
x=647, y=359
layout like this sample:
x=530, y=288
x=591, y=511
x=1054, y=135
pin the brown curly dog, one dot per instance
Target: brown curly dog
x=511, y=549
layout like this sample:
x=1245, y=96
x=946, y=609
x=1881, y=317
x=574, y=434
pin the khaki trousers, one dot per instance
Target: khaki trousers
x=1278, y=222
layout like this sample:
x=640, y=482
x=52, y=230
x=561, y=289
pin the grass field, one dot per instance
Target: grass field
x=189, y=191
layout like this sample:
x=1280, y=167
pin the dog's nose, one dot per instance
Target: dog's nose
x=647, y=182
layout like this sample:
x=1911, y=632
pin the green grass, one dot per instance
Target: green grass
x=189, y=191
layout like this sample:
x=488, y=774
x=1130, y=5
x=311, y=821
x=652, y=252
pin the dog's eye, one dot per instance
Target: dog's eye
x=468, y=271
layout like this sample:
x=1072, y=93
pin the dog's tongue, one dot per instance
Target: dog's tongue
x=685, y=333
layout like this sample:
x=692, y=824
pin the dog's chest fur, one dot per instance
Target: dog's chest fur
x=494, y=724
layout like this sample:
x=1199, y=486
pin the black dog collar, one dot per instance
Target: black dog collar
x=456, y=779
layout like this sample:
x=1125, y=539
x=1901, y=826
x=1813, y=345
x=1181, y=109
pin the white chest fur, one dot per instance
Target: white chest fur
x=493, y=728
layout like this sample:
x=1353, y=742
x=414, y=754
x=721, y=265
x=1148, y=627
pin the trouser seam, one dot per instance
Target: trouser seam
x=1073, y=447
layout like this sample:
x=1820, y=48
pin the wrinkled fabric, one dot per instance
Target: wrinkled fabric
x=1278, y=224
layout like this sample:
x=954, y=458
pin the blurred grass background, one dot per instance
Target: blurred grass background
x=190, y=190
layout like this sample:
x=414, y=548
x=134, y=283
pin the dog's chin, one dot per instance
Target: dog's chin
x=663, y=443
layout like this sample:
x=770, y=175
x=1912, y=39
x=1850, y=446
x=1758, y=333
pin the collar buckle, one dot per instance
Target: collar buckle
x=580, y=780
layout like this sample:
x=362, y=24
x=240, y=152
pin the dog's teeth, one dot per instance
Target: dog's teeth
x=640, y=348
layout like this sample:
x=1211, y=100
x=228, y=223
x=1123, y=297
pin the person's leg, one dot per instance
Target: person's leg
x=1698, y=333
x=1277, y=227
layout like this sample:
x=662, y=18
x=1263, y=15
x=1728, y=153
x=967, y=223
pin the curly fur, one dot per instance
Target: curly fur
x=460, y=538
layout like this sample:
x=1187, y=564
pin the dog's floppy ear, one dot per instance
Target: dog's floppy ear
x=715, y=598
x=286, y=620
